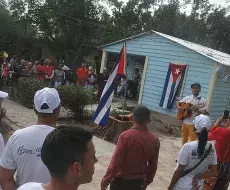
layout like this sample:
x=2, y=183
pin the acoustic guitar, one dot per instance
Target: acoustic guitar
x=185, y=112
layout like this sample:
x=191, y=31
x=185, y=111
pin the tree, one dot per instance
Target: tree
x=70, y=28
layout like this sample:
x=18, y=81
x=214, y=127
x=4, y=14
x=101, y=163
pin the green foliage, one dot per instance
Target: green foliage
x=91, y=63
x=116, y=112
x=73, y=29
x=17, y=35
x=74, y=98
x=26, y=88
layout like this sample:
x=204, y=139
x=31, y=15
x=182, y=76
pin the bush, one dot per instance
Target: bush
x=74, y=98
x=26, y=88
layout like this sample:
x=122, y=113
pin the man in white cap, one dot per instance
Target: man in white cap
x=23, y=150
x=3, y=95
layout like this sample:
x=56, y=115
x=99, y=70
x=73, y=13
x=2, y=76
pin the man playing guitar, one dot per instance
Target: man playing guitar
x=198, y=106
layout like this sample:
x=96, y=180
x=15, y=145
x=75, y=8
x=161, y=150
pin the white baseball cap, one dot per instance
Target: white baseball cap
x=202, y=121
x=3, y=94
x=46, y=100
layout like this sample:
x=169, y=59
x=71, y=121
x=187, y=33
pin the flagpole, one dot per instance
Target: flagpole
x=124, y=99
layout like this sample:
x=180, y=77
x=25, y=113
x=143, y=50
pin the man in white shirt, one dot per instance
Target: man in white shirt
x=22, y=153
x=69, y=154
x=3, y=95
x=199, y=106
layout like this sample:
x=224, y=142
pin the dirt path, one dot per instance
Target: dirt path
x=22, y=117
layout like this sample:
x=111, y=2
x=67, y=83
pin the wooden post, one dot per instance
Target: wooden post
x=143, y=79
x=103, y=60
x=211, y=86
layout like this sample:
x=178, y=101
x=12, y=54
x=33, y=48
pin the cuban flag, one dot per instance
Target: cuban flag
x=101, y=116
x=172, y=81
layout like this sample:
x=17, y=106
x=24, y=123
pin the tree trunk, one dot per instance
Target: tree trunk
x=113, y=129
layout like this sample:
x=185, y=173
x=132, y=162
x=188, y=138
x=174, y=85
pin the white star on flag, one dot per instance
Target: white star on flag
x=177, y=71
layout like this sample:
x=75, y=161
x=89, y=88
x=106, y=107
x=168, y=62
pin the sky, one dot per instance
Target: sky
x=220, y=2
x=223, y=3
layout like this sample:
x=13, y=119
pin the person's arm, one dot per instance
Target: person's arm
x=182, y=100
x=55, y=73
x=152, y=164
x=115, y=162
x=178, y=173
x=2, y=144
x=7, y=167
x=78, y=72
x=202, y=110
x=52, y=75
x=182, y=163
x=211, y=172
x=86, y=74
x=214, y=133
x=7, y=179
x=217, y=124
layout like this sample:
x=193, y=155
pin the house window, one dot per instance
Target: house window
x=181, y=85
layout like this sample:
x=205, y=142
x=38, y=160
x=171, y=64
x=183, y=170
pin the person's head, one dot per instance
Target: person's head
x=69, y=154
x=47, y=105
x=59, y=67
x=50, y=63
x=136, y=70
x=141, y=115
x=92, y=71
x=3, y=95
x=14, y=57
x=104, y=71
x=83, y=65
x=30, y=65
x=46, y=62
x=124, y=77
x=5, y=64
x=41, y=62
x=36, y=63
x=23, y=61
x=202, y=125
x=196, y=88
x=226, y=121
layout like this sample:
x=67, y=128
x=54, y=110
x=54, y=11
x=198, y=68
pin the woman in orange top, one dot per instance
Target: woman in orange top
x=40, y=71
x=49, y=69
x=82, y=74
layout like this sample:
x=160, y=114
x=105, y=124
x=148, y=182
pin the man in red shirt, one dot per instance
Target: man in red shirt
x=40, y=71
x=82, y=74
x=221, y=134
x=49, y=70
x=134, y=162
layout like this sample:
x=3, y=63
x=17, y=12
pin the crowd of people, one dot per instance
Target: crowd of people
x=46, y=157
x=44, y=70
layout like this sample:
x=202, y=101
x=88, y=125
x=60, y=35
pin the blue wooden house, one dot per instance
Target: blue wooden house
x=152, y=52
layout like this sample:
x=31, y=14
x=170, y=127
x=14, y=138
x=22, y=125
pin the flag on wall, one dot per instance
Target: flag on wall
x=101, y=116
x=172, y=82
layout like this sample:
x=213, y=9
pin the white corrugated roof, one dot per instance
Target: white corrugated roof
x=215, y=55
